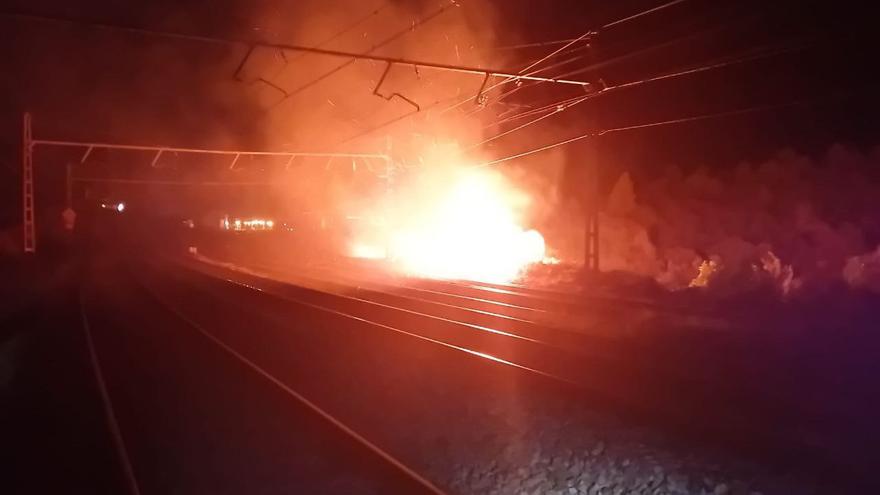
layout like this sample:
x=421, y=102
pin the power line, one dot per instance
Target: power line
x=533, y=111
x=615, y=60
x=353, y=25
x=571, y=42
x=375, y=12
x=301, y=48
x=535, y=44
x=730, y=113
x=643, y=13
x=605, y=63
x=462, y=101
x=435, y=104
x=717, y=65
x=561, y=106
x=500, y=97
x=386, y=41
x=523, y=76
x=606, y=26
x=557, y=51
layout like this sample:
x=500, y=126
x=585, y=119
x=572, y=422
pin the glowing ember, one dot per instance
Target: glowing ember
x=462, y=225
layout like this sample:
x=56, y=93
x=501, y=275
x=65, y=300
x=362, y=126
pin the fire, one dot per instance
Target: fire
x=471, y=233
x=368, y=251
x=460, y=223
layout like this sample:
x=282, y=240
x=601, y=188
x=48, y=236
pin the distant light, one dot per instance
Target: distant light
x=270, y=224
x=120, y=207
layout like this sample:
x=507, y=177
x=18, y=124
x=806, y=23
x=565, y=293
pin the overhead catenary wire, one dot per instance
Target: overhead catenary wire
x=643, y=13
x=607, y=62
x=560, y=63
x=408, y=115
x=536, y=44
x=373, y=13
x=299, y=48
x=548, y=107
x=342, y=32
x=523, y=75
x=601, y=64
x=606, y=26
x=559, y=108
x=552, y=54
x=586, y=35
x=438, y=102
x=553, y=106
x=394, y=37
x=680, y=120
x=566, y=104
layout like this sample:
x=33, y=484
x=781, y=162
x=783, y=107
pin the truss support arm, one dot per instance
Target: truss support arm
x=234, y=161
x=253, y=44
x=156, y=159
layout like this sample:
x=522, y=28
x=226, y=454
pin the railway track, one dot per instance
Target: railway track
x=686, y=405
x=302, y=448
x=662, y=354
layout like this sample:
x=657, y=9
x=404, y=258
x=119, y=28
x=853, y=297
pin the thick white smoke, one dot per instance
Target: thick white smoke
x=793, y=222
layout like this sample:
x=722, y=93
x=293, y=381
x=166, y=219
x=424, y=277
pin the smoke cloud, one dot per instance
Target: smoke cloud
x=793, y=222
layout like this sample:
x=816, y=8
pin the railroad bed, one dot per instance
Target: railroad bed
x=519, y=421
x=730, y=385
x=190, y=414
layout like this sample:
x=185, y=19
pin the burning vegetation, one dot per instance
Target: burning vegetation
x=454, y=221
x=791, y=223
x=784, y=223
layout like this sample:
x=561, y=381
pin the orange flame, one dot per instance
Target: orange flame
x=459, y=224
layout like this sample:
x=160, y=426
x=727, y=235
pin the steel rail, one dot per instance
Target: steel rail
x=358, y=283
x=535, y=309
x=256, y=368
x=107, y=403
x=650, y=403
x=559, y=364
x=375, y=289
x=372, y=303
x=352, y=317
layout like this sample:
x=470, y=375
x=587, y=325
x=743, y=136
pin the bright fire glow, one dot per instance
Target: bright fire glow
x=463, y=224
x=472, y=233
x=368, y=251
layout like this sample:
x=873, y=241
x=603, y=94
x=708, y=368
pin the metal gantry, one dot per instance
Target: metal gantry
x=29, y=143
x=27, y=188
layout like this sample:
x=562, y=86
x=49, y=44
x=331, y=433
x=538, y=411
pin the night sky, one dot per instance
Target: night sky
x=829, y=77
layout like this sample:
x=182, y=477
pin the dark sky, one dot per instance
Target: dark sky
x=834, y=70
x=832, y=76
